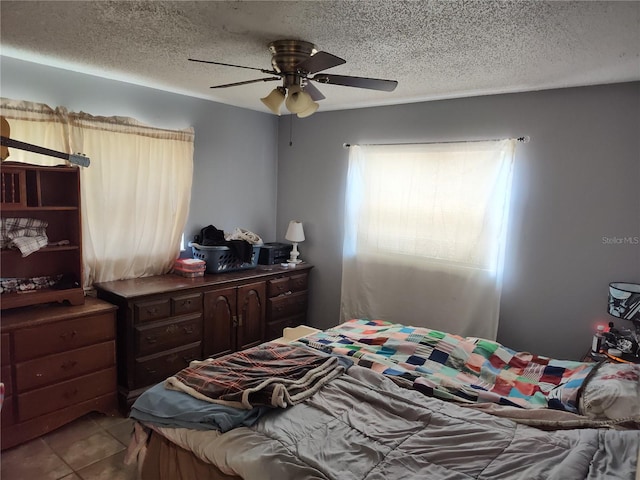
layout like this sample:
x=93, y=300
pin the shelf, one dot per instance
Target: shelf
x=51, y=249
x=75, y=296
x=22, y=208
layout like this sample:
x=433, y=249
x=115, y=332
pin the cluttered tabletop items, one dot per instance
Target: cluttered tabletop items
x=214, y=251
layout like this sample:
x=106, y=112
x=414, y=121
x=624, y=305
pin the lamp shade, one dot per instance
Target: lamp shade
x=624, y=301
x=295, y=232
x=298, y=100
x=309, y=111
x=274, y=100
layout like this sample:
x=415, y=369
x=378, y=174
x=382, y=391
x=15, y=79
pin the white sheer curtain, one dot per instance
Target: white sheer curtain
x=135, y=194
x=425, y=229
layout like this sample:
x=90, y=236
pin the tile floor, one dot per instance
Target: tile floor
x=90, y=448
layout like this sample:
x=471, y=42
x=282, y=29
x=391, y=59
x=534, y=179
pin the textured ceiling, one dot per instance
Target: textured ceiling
x=435, y=49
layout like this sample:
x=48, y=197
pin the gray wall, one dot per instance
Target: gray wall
x=235, y=155
x=576, y=189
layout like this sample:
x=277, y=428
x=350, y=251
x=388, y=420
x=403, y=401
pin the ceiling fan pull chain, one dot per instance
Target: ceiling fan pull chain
x=290, y=130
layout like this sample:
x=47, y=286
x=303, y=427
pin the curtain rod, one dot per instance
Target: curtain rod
x=524, y=139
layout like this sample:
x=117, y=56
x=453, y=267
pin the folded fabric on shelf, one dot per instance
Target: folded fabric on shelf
x=26, y=234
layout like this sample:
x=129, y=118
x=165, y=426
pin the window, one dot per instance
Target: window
x=431, y=214
x=135, y=194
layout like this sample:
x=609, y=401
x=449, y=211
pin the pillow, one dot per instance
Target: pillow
x=565, y=396
x=612, y=393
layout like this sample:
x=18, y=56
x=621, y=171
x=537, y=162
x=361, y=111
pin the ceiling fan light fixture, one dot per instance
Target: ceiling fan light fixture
x=274, y=100
x=298, y=100
x=309, y=111
x=293, y=62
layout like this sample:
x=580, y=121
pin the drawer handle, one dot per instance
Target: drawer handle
x=152, y=311
x=151, y=339
x=173, y=328
x=70, y=393
x=172, y=358
x=151, y=371
x=186, y=303
x=234, y=321
x=70, y=334
x=68, y=365
x=188, y=330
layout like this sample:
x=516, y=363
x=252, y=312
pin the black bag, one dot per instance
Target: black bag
x=211, y=236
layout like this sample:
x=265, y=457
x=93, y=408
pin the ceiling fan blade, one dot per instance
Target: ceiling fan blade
x=272, y=72
x=359, y=82
x=316, y=94
x=318, y=62
x=246, y=82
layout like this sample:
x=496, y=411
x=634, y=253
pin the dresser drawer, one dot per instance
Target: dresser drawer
x=183, y=304
x=286, y=305
x=61, y=395
x=6, y=416
x=63, y=366
x=7, y=379
x=151, y=310
x=155, y=368
x=299, y=282
x=288, y=284
x=278, y=286
x=5, y=353
x=63, y=336
x=156, y=338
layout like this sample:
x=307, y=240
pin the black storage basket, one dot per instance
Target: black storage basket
x=221, y=259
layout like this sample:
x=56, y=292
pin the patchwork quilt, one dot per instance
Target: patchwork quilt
x=455, y=368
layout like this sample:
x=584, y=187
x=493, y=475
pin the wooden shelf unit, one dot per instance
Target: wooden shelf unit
x=50, y=194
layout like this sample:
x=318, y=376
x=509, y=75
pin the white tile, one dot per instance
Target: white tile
x=89, y=450
x=33, y=460
x=122, y=431
x=70, y=433
x=111, y=468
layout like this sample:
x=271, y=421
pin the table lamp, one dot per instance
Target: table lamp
x=624, y=302
x=295, y=234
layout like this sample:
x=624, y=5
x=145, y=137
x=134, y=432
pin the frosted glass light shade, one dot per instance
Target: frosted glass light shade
x=274, y=100
x=298, y=100
x=295, y=232
x=309, y=111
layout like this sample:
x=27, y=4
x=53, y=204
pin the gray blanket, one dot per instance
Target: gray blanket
x=362, y=426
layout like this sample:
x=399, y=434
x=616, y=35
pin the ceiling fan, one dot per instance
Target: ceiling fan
x=294, y=61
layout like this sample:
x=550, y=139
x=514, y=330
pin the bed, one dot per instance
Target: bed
x=376, y=400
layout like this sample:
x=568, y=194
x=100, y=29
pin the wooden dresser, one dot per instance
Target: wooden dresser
x=166, y=321
x=58, y=363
